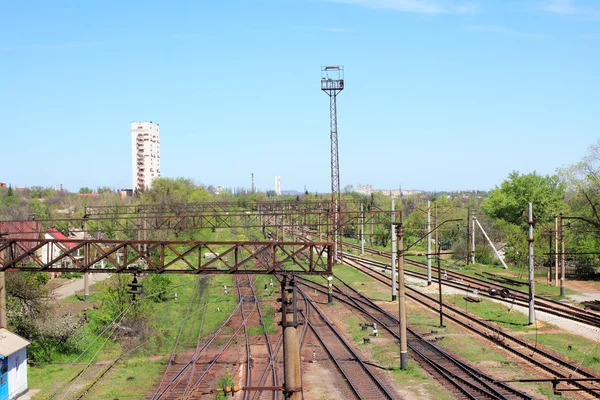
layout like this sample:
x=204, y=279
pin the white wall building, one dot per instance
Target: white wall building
x=13, y=365
x=145, y=154
x=278, y=185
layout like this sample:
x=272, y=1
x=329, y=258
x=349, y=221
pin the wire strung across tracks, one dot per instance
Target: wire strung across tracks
x=485, y=286
x=552, y=365
x=462, y=379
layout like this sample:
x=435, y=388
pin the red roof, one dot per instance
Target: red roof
x=89, y=194
x=56, y=234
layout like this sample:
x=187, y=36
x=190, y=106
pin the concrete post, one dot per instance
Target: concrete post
x=86, y=258
x=428, y=242
x=292, y=384
x=531, y=268
x=473, y=239
x=439, y=269
x=555, y=251
x=394, y=287
x=402, y=297
x=362, y=230
x=562, y=254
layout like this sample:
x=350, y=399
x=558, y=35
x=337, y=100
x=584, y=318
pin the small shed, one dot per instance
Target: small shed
x=13, y=365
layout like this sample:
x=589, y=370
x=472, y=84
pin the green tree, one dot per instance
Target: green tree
x=85, y=190
x=508, y=202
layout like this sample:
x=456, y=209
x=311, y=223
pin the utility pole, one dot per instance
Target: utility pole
x=531, y=267
x=562, y=254
x=428, y=242
x=8, y=255
x=3, y=320
x=401, y=296
x=86, y=257
x=555, y=251
x=439, y=268
x=473, y=239
x=468, y=233
x=292, y=384
x=362, y=229
x=394, y=288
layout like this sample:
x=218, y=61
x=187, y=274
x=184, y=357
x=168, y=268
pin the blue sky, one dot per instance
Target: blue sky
x=440, y=94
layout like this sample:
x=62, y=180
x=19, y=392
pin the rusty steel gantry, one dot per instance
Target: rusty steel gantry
x=332, y=83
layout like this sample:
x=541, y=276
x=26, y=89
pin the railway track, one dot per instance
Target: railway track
x=194, y=378
x=363, y=382
x=532, y=353
x=463, y=380
x=486, y=288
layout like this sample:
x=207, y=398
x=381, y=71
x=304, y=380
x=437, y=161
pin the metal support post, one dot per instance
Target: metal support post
x=292, y=385
x=531, y=267
x=473, y=239
x=362, y=230
x=439, y=268
x=3, y=320
x=468, y=234
x=394, y=288
x=401, y=296
x=555, y=251
x=562, y=254
x=428, y=242
x=86, y=257
x=329, y=289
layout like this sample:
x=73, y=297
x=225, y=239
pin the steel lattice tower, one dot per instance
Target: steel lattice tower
x=332, y=83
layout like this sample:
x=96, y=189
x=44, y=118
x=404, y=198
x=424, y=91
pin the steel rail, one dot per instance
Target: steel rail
x=479, y=377
x=427, y=301
x=348, y=348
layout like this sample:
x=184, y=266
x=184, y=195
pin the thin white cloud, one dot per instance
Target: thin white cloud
x=62, y=46
x=501, y=30
x=570, y=7
x=418, y=6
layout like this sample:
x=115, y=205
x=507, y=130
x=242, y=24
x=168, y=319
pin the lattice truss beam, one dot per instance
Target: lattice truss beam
x=186, y=257
x=131, y=224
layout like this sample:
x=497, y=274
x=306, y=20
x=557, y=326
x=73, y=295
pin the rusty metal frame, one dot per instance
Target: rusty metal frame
x=177, y=223
x=183, y=257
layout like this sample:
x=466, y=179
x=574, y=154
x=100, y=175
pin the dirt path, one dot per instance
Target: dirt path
x=76, y=285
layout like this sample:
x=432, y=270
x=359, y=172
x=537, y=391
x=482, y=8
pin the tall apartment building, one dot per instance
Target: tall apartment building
x=145, y=149
x=278, y=185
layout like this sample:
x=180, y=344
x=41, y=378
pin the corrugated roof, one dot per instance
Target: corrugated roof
x=10, y=342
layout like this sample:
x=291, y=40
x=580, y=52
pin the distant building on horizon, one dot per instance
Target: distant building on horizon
x=145, y=154
x=278, y=185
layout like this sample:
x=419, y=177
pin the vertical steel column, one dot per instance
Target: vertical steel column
x=531, y=267
x=335, y=174
x=291, y=347
x=428, y=242
x=394, y=288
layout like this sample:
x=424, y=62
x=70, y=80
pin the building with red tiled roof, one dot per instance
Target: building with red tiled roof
x=51, y=251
